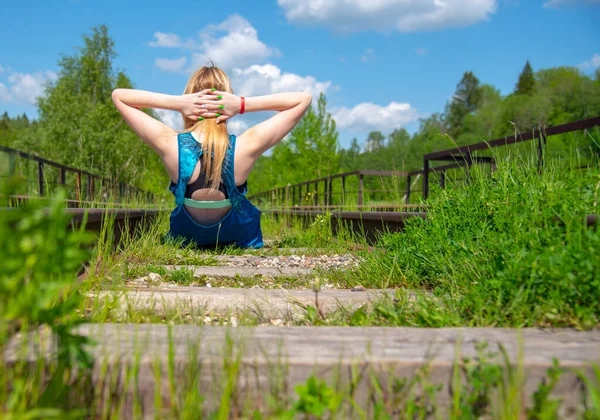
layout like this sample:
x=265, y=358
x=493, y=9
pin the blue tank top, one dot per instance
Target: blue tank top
x=239, y=227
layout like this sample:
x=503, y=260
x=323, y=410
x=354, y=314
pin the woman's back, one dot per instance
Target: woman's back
x=214, y=186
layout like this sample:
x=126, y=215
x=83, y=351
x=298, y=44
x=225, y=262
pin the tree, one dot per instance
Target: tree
x=465, y=101
x=526, y=83
x=349, y=158
x=374, y=141
x=310, y=151
x=80, y=126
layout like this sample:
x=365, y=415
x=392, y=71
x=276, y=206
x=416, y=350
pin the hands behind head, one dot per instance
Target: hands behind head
x=210, y=103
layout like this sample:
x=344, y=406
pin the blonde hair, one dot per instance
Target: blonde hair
x=215, y=136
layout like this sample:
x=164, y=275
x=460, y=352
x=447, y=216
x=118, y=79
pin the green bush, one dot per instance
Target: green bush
x=40, y=255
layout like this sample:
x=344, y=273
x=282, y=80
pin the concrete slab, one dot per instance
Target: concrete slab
x=266, y=304
x=273, y=360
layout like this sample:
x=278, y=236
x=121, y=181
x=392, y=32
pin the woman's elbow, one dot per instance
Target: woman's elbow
x=306, y=98
x=116, y=94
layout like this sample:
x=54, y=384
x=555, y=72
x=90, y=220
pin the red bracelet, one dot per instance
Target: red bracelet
x=243, y=106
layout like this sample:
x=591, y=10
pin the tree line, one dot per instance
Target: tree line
x=78, y=125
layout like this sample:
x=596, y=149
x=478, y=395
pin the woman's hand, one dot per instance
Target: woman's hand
x=190, y=107
x=218, y=104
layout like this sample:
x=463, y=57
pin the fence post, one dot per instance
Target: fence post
x=316, y=195
x=78, y=186
x=330, y=192
x=41, y=178
x=360, y=189
x=442, y=179
x=287, y=195
x=61, y=176
x=425, y=178
x=343, y=190
x=469, y=161
x=12, y=163
x=90, y=187
x=540, y=150
x=408, y=179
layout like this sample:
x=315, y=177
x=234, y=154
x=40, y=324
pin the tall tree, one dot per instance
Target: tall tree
x=80, y=126
x=465, y=101
x=375, y=141
x=526, y=83
x=310, y=151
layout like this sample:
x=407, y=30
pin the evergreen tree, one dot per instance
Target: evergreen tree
x=465, y=101
x=526, y=83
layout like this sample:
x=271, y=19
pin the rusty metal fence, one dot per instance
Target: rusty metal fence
x=319, y=193
x=41, y=176
x=464, y=156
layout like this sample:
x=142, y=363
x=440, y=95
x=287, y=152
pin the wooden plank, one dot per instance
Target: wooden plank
x=265, y=304
x=293, y=354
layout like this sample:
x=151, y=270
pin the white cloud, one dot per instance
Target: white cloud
x=421, y=51
x=368, y=116
x=166, y=64
x=559, y=3
x=24, y=87
x=165, y=40
x=368, y=55
x=232, y=43
x=388, y=15
x=592, y=63
x=268, y=78
x=239, y=46
x=171, y=118
x=5, y=95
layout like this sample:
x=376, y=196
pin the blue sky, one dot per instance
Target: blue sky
x=382, y=63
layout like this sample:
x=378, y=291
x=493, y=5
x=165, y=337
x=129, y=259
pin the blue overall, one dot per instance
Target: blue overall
x=240, y=226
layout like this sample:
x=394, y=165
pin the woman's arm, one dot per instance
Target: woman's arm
x=151, y=131
x=291, y=107
x=263, y=136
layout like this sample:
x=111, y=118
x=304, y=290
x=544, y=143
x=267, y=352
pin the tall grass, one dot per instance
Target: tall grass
x=508, y=249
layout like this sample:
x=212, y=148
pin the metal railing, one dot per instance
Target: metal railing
x=107, y=187
x=464, y=155
x=307, y=195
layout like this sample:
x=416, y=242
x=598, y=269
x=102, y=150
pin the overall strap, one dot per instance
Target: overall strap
x=228, y=177
x=228, y=173
x=189, y=153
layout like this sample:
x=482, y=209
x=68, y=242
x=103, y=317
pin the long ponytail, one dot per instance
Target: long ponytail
x=215, y=136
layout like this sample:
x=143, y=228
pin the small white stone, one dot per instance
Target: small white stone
x=277, y=322
x=207, y=320
x=154, y=277
x=233, y=321
x=208, y=285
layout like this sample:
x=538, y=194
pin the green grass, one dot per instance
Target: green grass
x=511, y=249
